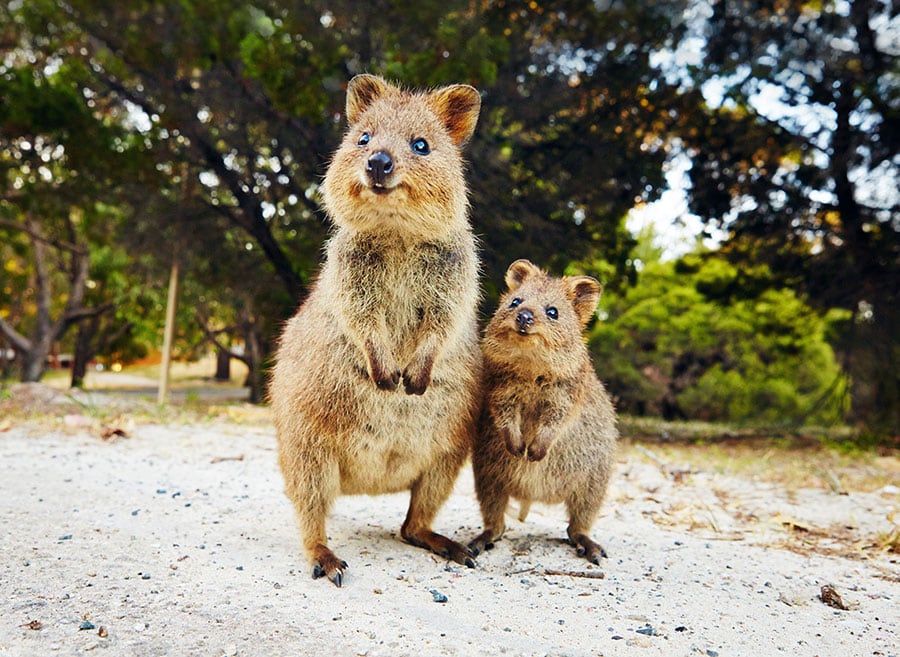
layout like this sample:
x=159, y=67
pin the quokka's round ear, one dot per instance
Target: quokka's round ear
x=584, y=293
x=519, y=271
x=362, y=91
x=457, y=107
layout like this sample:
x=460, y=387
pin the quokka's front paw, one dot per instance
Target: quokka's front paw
x=514, y=442
x=417, y=375
x=386, y=376
x=537, y=450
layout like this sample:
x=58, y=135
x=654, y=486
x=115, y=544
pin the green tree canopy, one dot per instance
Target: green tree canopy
x=799, y=159
x=702, y=339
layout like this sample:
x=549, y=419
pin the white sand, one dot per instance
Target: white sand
x=179, y=541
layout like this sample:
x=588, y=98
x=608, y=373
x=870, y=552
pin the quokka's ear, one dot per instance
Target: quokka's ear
x=519, y=271
x=362, y=91
x=457, y=106
x=584, y=292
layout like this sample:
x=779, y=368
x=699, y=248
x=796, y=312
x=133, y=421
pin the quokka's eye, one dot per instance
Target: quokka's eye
x=515, y=303
x=363, y=139
x=420, y=146
x=552, y=313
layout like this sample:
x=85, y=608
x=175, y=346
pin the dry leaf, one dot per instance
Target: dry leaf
x=110, y=433
x=830, y=597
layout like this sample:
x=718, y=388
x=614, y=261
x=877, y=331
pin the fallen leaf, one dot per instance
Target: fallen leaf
x=831, y=597
x=110, y=433
x=222, y=459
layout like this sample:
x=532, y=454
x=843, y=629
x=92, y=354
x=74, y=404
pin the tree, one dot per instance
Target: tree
x=48, y=141
x=800, y=161
x=702, y=339
x=248, y=99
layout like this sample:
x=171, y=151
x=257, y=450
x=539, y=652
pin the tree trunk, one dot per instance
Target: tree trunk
x=87, y=330
x=223, y=365
x=253, y=355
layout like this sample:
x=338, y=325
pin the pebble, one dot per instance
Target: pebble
x=647, y=630
x=86, y=625
x=437, y=596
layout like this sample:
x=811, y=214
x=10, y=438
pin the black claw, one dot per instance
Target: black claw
x=318, y=571
x=580, y=551
x=338, y=579
x=344, y=563
x=474, y=550
x=489, y=546
x=470, y=562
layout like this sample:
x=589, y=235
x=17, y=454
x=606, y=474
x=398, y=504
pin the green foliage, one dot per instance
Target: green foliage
x=690, y=341
x=808, y=184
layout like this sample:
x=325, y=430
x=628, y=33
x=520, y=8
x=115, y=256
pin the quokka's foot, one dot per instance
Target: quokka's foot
x=326, y=564
x=481, y=543
x=443, y=546
x=587, y=548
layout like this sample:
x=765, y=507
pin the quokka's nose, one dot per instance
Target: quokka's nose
x=379, y=167
x=524, y=319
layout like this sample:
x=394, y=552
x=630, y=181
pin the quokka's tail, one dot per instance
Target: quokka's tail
x=524, y=508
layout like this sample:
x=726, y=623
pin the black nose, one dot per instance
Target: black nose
x=379, y=167
x=524, y=319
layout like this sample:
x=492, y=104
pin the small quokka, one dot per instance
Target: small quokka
x=376, y=386
x=547, y=431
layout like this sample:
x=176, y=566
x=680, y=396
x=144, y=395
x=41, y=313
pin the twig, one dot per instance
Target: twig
x=589, y=574
x=653, y=457
x=222, y=459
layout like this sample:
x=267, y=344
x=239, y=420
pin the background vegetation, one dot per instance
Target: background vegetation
x=135, y=134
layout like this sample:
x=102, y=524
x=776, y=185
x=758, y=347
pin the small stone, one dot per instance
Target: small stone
x=437, y=596
x=87, y=625
x=145, y=575
x=647, y=630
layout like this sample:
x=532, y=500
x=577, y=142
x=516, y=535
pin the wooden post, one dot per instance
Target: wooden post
x=169, y=335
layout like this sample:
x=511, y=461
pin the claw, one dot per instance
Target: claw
x=338, y=579
x=470, y=562
x=318, y=571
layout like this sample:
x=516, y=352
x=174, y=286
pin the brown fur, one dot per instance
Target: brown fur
x=394, y=306
x=548, y=430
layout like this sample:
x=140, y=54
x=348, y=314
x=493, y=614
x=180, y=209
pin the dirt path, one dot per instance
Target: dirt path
x=178, y=541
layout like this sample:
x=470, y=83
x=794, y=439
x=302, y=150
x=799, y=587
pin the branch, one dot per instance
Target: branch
x=16, y=339
x=213, y=336
x=36, y=235
x=76, y=315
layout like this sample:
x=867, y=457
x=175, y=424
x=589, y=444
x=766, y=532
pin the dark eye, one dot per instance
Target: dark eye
x=515, y=303
x=552, y=313
x=420, y=146
x=363, y=139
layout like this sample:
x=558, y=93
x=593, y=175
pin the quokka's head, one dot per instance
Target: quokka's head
x=400, y=166
x=540, y=318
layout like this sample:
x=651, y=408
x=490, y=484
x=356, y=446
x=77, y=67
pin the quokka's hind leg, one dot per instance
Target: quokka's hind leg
x=582, y=514
x=493, y=500
x=313, y=487
x=428, y=495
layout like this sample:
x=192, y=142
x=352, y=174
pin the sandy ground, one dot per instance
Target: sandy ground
x=177, y=540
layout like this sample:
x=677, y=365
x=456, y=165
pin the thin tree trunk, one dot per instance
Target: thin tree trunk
x=223, y=365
